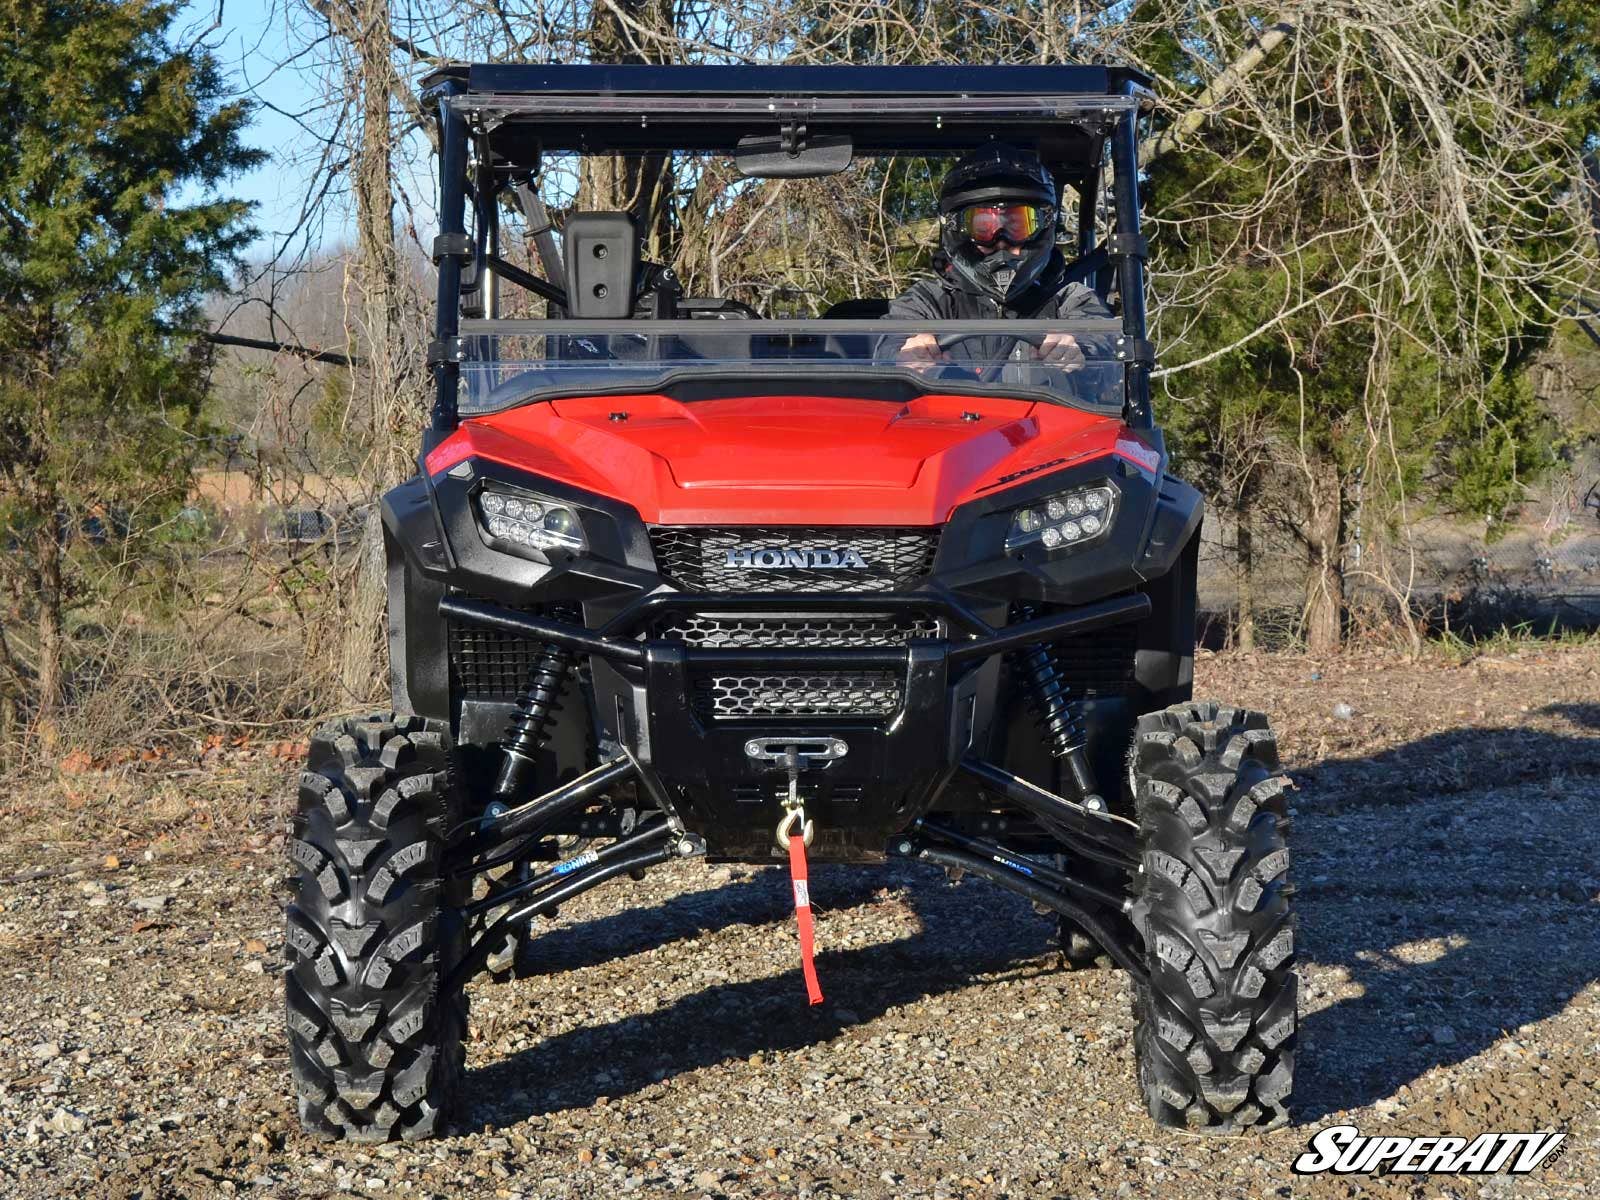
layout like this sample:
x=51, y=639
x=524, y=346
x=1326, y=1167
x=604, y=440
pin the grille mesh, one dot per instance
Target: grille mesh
x=813, y=694
x=819, y=694
x=487, y=664
x=830, y=630
x=1098, y=664
x=1094, y=664
x=697, y=558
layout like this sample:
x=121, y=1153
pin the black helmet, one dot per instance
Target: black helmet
x=998, y=175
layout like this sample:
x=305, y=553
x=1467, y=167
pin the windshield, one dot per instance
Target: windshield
x=1073, y=362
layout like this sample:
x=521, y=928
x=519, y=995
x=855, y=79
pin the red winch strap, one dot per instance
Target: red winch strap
x=802, y=915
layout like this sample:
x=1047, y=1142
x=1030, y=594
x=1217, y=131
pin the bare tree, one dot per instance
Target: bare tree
x=1368, y=176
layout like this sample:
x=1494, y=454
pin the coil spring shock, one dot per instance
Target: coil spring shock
x=1058, y=714
x=528, y=731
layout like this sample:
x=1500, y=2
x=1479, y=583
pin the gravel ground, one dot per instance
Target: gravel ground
x=1447, y=834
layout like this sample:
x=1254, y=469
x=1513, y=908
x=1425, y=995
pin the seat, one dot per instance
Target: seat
x=862, y=308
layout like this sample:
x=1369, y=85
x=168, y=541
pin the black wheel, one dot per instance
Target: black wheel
x=375, y=1041
x=513, y=956
x=1080, y=951
x=1216, y=1026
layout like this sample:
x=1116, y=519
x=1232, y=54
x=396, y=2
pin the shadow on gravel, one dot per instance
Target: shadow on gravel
x=1587, y=715
x=756, y=902
x=1454, y=878
x=971, y=929
x=1486, y=840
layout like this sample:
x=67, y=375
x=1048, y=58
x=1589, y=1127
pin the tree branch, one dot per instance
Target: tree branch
x=1218, y=90
x=305, y=352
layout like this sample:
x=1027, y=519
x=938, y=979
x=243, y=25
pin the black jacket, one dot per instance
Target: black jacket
x=941, y=298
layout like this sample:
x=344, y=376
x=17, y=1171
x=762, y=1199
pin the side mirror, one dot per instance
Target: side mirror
x=777, y=156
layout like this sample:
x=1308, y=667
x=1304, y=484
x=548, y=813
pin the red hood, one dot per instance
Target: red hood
x=783, y=460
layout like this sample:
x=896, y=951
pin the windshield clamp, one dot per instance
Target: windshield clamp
x=452, y=245
x=446, y=350
x=1126, y=245
x=1136, y=350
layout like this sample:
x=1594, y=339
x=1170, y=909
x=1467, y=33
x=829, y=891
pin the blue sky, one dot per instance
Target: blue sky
x=250, y=41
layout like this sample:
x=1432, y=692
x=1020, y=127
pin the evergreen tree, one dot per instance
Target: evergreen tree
x=111, y=235
x=1365, y=321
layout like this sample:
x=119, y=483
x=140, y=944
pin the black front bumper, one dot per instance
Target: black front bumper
x=468, y=622
x=895, y=768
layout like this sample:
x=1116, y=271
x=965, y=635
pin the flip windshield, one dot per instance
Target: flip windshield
x=733, y=262
x=507, y=363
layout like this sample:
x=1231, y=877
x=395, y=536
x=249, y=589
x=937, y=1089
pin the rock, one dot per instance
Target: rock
x=65, y=1121
x=1568, y=890
x=149, y=903
x=1443, y=1035
x=1342, y=711
x=842, y=1120
x=45, y=1051
x=707, y=1180
x=253, y=965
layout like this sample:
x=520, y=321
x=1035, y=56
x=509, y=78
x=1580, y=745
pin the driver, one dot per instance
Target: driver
x=997, y=216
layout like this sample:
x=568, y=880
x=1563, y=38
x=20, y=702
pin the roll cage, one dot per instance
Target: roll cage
x=496, y=122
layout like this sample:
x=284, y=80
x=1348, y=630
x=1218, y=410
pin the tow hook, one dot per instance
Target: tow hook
x=795, y=755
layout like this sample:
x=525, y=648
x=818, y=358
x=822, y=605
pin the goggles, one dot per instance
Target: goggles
x=1015, y=223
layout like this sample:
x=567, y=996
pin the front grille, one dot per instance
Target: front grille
x=714, y=631
x=698, y=559
x=486, y=664
x=862, y=693
x=816, y=694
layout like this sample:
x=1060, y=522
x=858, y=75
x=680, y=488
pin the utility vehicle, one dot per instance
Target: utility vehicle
x=676, y=578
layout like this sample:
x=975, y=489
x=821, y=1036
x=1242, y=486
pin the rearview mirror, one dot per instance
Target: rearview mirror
x=759, y=156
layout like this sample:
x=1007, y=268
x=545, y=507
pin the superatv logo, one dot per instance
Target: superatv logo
x=774, y=558
x=1345, y=1150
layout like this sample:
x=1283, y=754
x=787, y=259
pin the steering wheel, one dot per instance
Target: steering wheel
x=990, y=374
x=720, y=306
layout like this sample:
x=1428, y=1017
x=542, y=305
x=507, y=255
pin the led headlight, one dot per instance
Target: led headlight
x=1066, y=520
x=536, y=522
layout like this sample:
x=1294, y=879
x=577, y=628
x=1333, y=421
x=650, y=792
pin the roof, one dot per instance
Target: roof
x=597, y=79
x=927, y=109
